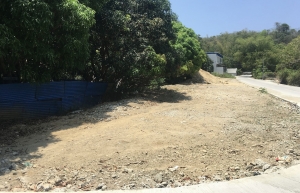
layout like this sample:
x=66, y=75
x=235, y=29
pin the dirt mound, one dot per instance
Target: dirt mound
x=203, y=76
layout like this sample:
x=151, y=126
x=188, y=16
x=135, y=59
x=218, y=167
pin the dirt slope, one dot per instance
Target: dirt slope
x=205, y=77
x=179, y=135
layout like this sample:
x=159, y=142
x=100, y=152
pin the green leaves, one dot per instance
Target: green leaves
x=45, y=40
x=129, y=43
x=189, y=54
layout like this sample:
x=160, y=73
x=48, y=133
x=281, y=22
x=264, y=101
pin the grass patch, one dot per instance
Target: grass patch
x=263, y=90
x=225, y=75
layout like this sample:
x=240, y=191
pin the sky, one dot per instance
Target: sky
x=209, y=18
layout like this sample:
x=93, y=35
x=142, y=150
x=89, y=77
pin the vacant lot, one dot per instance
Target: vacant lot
x=180, y=135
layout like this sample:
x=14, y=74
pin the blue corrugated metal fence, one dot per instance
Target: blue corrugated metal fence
x=32, y=101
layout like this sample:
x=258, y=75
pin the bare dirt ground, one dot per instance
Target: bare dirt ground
x=180, y=135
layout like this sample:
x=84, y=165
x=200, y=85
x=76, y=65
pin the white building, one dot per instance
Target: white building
x=232, y=71
x=217, y=62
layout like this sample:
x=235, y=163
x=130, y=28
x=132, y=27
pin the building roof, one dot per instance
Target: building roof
x=215, y=53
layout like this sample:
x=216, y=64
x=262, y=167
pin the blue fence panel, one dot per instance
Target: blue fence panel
x=17, y=92
x=42, y=109
x=50, y=91
x=11, y=110
x=31, y=101
x=94, y=93
x=74, y=95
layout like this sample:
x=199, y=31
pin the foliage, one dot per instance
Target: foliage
x=225, y=75
x=254, y=51
x=189, y=56
x=283, y=75
x=290, y=55
x=294, y=78
x=289, y=67
x=264, y=53
x=130, y=43
x=283, y=33
x=239, y=72
x=208, y=65
x=43, y=40
x=263, y=90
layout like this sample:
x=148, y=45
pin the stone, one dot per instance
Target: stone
x=126, y=170
x=104, y=187
x=158, y=178
x=177, y=184
x=159, y=186
x=248, y=174
x=249, y=167
x=255, y=173
x=259, y=163
x=114, y=176
x=57, y=181
x=164, y=183
x=100, y=186
x=32, y=187
x=173, y=169
x=44, y=187
x=131, y=186
x=290, y=151
x=47, y=187
x=218, y=178
x=2, y=187
x=266, y=166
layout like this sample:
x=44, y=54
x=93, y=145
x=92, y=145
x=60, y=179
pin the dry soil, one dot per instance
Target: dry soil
x=207, y=129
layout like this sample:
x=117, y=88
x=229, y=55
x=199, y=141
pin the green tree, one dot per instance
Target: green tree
x=256, y=50
x=44, y=40
x=289, y=67
x=129, y=43
x=187, y=50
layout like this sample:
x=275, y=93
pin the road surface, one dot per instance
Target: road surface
x=286, y=92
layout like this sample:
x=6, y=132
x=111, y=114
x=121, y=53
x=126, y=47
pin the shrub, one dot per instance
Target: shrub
x=270, y=75
x=283, y=75
x=294, y=78
x=239, y=72
x=225, y=75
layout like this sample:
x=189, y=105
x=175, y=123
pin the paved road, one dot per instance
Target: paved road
x=289, y=93
x=283, y=181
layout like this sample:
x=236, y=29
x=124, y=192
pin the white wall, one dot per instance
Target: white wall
x=216, y=60
x=219, y=70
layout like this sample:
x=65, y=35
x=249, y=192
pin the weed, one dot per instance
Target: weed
x=263, y=90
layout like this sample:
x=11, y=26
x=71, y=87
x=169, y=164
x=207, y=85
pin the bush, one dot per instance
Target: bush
x=239, y=72
x=270, y=75
x=283, y=75
x=225, y=75
x=294, y=78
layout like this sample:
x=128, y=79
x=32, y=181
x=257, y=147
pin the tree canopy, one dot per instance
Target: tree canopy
x=263, y=53
x=130, y=43
x=43, y=40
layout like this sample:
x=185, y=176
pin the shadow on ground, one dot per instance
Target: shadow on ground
x=15, y=155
